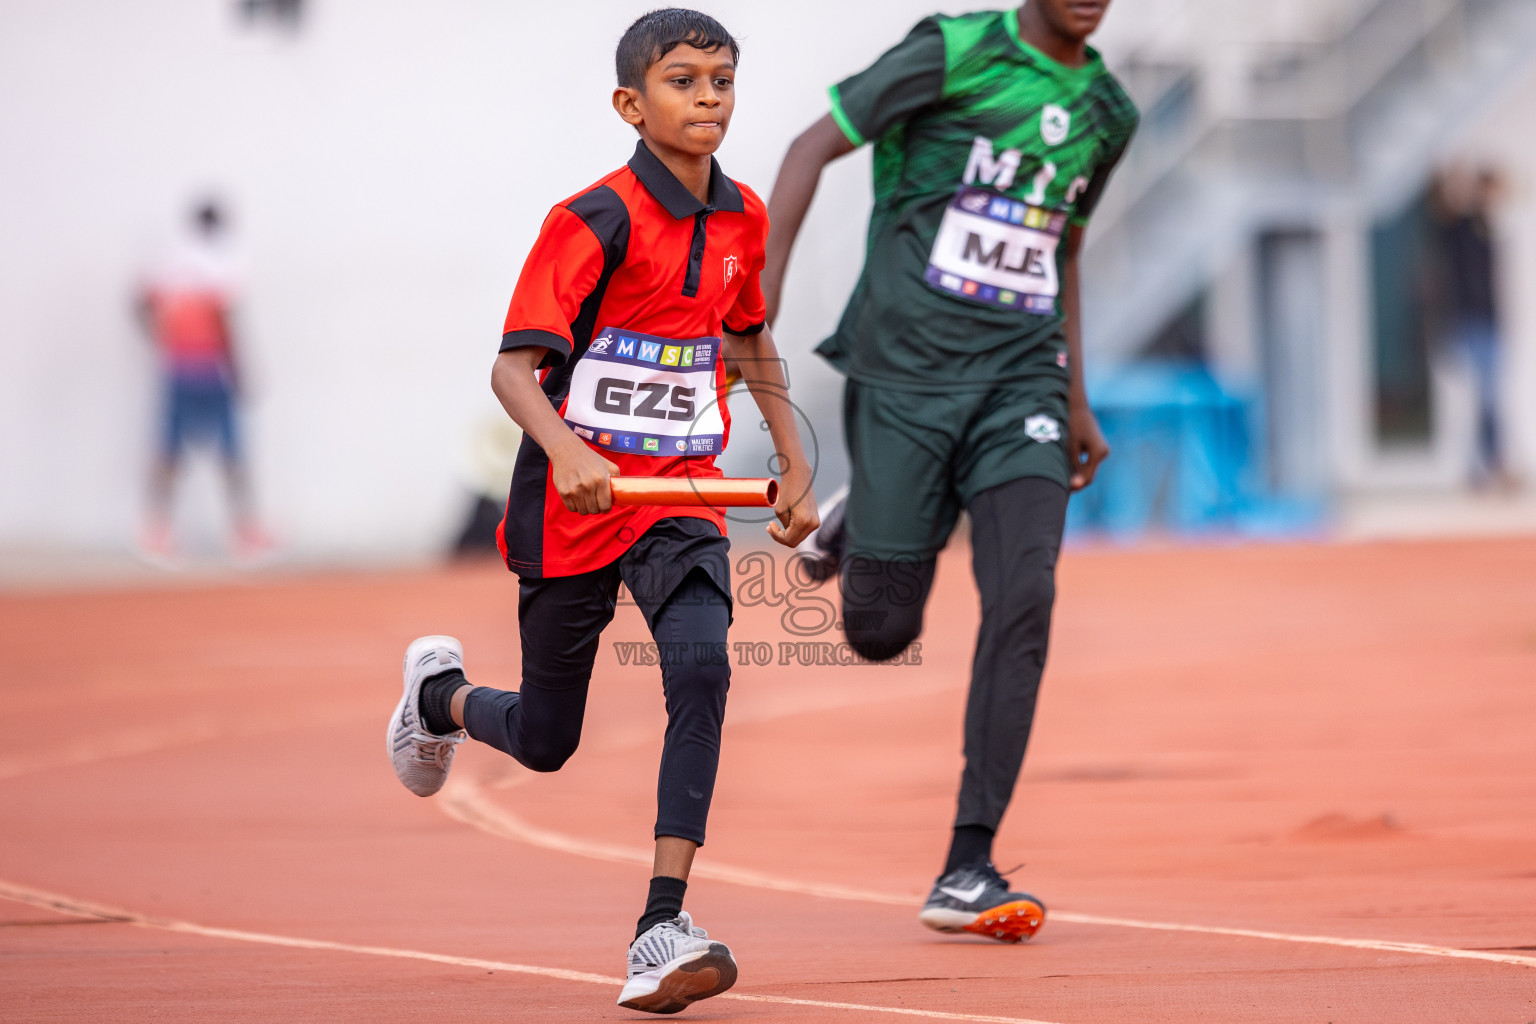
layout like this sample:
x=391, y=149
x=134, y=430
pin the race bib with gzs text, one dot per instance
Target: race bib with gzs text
x=645, y=395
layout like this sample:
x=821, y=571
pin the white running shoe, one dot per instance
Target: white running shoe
x=674, y=964
x=421, y=759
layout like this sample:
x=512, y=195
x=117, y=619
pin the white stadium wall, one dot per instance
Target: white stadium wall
x=388, y=168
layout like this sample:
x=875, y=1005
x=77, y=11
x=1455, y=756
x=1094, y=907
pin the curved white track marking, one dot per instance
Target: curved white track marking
x=85, y=908
x=464, y=801
x=96, y=911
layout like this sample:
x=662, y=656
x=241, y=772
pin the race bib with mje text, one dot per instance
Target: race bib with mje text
x=998, y=250
x=645, y=395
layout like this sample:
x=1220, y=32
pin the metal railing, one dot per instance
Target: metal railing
x=1361, y=117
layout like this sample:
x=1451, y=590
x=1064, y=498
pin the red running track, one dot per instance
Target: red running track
x=1280, y=783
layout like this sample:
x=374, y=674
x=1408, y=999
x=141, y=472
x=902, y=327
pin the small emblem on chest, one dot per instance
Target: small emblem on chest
x=1055, y=123
x=730, y=268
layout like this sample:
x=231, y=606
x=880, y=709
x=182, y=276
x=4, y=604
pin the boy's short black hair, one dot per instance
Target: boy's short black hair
x=658, y=33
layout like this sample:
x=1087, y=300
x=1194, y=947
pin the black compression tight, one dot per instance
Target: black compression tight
x=540, y=725
x=1015, y=537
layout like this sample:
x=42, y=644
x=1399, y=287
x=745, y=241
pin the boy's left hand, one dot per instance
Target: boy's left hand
x=796, y=508
x=1086, y=446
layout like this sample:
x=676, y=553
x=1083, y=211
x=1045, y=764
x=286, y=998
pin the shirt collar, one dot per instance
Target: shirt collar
x=724, y=196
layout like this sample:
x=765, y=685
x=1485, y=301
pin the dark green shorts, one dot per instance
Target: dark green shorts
x=918, y=459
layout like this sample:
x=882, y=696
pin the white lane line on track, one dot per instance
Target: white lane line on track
x=1381, y=945
x=84, y=908
x=463, y=800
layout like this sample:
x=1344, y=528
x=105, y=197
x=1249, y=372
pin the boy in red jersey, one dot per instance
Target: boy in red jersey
x=612, y=363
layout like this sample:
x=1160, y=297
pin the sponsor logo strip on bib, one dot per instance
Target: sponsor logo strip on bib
x=645, y=395
x=997, y=250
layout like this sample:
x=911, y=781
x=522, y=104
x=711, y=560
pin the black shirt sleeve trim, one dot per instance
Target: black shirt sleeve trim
x=606, y=216
x=559, y=348
x=747, y=332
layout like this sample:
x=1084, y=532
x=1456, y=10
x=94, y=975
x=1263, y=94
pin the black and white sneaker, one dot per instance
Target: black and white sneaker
x=422, y=758
x=673, y=964
x=824, y=547
x=976, y=899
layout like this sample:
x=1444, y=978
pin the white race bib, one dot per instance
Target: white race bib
x=645, y=395
x=997, y=250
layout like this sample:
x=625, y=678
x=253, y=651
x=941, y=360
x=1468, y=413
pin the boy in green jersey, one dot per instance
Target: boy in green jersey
x=994, y=136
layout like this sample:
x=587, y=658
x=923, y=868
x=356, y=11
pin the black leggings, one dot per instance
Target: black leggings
x=561, y=620
x=1015, y=537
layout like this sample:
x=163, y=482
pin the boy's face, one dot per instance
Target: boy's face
x=1075, y=19
x=688, y=99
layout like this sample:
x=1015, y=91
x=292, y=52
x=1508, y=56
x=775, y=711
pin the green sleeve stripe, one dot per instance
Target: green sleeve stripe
x=1077, y=222
x=841, y=117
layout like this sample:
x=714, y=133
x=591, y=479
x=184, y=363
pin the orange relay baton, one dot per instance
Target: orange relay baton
x=714, y=491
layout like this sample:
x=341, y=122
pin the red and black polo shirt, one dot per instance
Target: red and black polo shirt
x=628, y=287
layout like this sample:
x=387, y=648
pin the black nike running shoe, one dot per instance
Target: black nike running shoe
x=976, y=899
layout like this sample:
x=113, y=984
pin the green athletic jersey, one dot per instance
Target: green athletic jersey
x=985, y=151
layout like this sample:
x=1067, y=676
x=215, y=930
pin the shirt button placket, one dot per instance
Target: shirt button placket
x=696, y=252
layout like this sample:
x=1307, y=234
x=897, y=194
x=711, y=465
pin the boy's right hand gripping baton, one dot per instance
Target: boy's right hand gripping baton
x=716, y=492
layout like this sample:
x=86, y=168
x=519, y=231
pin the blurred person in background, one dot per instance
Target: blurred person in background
x=186, y=306
x=1464, y=283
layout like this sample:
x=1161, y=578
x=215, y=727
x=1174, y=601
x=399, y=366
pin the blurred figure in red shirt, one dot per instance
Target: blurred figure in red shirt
x=186, y=307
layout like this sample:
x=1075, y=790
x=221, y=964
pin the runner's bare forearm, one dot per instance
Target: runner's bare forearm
x=1072, y=326
x=579, y=475
x=762, y=370
x=517, y=388
x=793, y=191
x=1086, y=447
